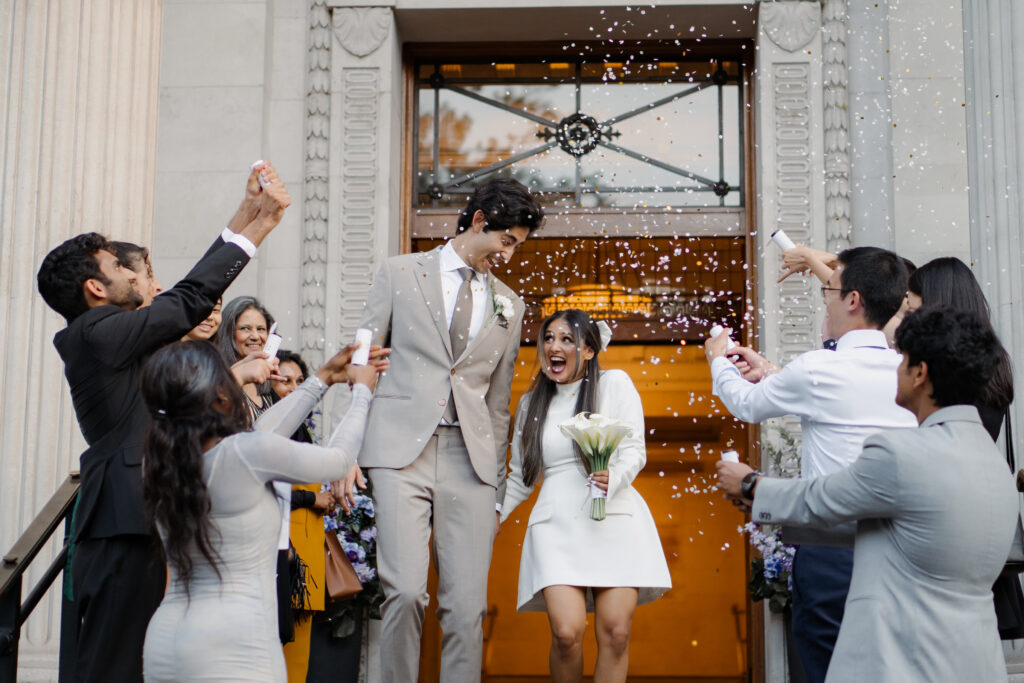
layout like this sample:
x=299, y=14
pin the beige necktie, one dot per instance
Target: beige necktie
x=459, y=330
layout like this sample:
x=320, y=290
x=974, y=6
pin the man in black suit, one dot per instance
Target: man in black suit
x=117, y=573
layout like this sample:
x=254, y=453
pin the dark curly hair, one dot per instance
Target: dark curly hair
x=543, y=389
x=65, y=269
x=180, y=384
x=286, y=356
x=506, y=203
x=959, y=347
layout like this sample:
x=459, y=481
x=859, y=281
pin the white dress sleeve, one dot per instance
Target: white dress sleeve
x=516, y=490
x=287, y=415
x=277, y=458
x=619, y=399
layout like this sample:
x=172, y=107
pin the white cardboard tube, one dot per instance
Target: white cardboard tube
x=782, y=239
x=361, y=356
x=730, y=456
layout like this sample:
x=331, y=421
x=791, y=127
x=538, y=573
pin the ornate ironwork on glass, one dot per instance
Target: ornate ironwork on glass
x=657, y=131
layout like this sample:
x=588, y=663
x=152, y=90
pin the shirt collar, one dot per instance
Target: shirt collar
x=957, y=413
x=861, y=338
x=450, y=260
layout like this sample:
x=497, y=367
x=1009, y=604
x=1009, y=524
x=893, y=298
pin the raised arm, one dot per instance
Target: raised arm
x=779, y=394
x=277, y=458
x=866, y=489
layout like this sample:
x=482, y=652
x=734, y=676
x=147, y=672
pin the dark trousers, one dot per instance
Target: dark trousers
x=821, y=580
x=118, y=584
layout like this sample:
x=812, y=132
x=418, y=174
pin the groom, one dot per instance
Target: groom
x=438, y=428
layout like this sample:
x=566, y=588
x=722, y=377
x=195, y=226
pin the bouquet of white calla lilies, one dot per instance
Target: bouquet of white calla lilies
x=597, y=436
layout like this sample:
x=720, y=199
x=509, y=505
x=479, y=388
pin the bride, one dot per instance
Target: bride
x=572, y=564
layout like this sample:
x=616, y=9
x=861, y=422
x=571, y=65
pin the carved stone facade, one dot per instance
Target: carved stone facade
x=837, y=126
x=790, y=171
x=364, y=199
x=315, y=189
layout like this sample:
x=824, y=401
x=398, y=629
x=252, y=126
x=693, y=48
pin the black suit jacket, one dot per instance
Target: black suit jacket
x=103, y=352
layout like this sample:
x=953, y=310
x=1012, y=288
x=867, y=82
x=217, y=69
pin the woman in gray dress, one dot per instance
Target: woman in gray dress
x=208, y=487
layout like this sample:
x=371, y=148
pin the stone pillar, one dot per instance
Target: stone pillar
x=353, y=183
x=870, y=124
x=79, y=80
x=994, y=57
x=791, y=184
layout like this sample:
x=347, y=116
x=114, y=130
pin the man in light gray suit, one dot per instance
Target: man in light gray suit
x=437, y=433
x=936, y=509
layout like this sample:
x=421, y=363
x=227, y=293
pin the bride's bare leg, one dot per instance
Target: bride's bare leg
x=613, y=617
x=567, y=613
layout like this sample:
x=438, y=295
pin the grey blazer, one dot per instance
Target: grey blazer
x=937, y=508
x=405, y=310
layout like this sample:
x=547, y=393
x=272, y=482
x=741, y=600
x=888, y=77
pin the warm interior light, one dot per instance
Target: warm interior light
x=505, y=69
x=600, y=301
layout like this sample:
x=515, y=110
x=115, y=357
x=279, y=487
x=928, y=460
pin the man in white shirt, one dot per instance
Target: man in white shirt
x=437, y=432
x=841, y=397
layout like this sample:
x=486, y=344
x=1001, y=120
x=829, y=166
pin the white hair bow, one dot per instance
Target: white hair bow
x=606, y=333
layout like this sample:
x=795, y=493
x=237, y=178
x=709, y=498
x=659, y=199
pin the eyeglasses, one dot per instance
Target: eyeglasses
x=830, y=289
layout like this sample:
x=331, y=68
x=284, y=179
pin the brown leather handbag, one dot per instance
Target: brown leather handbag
x=342, y=580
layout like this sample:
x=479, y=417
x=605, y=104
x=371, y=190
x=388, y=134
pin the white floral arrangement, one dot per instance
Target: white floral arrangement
x=597, y=436
x=504, y=309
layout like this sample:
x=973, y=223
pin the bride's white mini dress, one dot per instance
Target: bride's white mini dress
x=563, y=545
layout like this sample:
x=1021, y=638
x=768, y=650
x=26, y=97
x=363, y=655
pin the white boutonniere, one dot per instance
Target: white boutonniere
x=503, y=307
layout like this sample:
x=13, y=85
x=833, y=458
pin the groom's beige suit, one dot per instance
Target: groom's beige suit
x=431, y=480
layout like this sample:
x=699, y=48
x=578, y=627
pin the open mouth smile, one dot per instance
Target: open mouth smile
x=557, y=364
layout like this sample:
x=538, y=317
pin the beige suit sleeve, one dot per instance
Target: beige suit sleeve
x=869, y=488
x=377, y=309
x=499, y=394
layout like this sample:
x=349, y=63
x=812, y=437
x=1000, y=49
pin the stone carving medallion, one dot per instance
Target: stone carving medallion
x=361, y=30
x=790, y=25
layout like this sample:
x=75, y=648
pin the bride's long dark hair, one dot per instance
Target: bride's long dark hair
x=180, y=385
x=585, y=333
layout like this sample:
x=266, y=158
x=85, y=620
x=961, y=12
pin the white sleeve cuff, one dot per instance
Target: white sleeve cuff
x=241, y=240
x=497, y=506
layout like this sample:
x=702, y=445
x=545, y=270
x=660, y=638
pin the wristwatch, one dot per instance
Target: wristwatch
x=748, y=483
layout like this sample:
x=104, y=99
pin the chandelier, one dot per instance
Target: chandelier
x=606, y=302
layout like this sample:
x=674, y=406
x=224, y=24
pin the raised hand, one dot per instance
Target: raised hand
x=273, y=200
x=336, y=369
x=250, y=205
x=753, y=366
x=256, y=368
x=802, y=258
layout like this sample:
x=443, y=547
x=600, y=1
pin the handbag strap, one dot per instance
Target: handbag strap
x=1009, y=443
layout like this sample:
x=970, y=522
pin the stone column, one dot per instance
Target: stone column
x=791, y=134
x=870, y=124
x=353, y=183
x=79, y=80
x=994, y=57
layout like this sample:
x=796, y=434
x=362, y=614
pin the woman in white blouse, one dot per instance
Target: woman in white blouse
x=572, y=564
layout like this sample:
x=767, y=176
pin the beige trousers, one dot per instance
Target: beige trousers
x=440, y=493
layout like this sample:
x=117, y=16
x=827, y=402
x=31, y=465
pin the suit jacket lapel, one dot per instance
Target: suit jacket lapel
x=428, y=280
